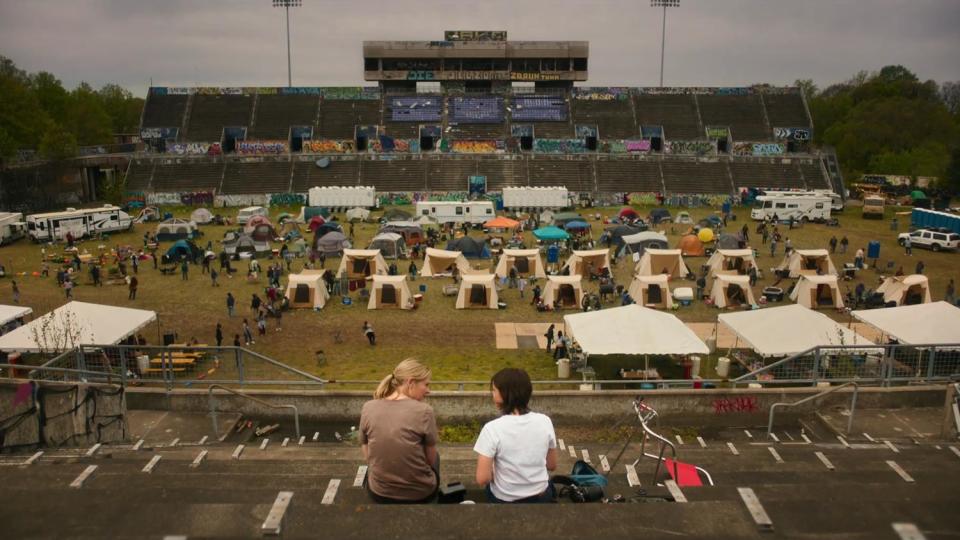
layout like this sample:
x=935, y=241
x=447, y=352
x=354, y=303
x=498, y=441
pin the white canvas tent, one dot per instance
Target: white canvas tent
x=439, y=262
x=809, y=262
x=817, y=292
x=478, y=291
x=581, y=262
x=731, y=291
x=359, y=214
x=88, y=324
x=527, y=262
x=655, y=261
x=790, y=329
x=731, y=261
x=390, y=245
x=937, y=323
x=632, y=329
x=201, y=216
x=11, y=315
x=307, y=289
x=390, y=292
x=643, y=290
x=906, y=290
x=567, y=289
x=360, y=263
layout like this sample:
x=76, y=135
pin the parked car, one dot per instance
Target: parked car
x=933, y=239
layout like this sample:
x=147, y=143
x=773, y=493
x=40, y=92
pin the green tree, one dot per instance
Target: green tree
x=86, y=117
x=57, y=144
x=122, y=107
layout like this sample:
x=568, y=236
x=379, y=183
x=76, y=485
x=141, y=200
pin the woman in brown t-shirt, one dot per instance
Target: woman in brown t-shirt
x=398, y=434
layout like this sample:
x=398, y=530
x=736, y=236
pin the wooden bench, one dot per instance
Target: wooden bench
x=173, y=361
x=160, y=370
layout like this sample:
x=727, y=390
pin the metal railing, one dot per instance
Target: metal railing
x=645, y=414
x=213, y=406
x=853, y=404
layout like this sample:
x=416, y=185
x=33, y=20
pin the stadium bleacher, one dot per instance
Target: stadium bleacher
x=688, y=175
x=614, y=118
x=275, y=114
x=394, y=174
x=813, y=174
x=772, y=173
x=164, y=111
x=743, y=114
x=340, y=172
x=502, y=173
x=196, y=174
x=539, y=109
x=476, y=110
x=209, y=114
x=338, y=117
x=786, y=110
x=575, y=174
x=615, y=175
x=416, y=108
x=139, y=175
x=677, y=113
x=256, y=177
x=450, y=174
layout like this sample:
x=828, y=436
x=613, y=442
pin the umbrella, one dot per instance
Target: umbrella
x=551, y=233
x=501, y=223
x=576, y=225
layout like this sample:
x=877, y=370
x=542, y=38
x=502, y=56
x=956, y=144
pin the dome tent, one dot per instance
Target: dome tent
x=176, y=229
x=470, y=247
x=638, y=243
x=201, y=216
x=332, y=243
x=691, y=246
x=391, y=245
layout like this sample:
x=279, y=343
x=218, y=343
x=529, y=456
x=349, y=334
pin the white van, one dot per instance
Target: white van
x=244, y=215
x=457, y=212
x=798, y=207
x=80, y=223
x=12, y=227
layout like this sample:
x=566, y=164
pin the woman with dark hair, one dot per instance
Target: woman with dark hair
x=516, y=450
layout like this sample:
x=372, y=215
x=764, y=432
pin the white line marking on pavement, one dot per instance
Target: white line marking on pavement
x=331, y=493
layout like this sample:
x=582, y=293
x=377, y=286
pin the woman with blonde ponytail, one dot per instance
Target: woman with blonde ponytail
x=398, y=434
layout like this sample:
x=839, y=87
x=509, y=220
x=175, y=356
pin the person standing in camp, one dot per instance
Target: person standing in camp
x=323, y=259
x=262, y=323
x=833, y=244
x=773, y=246
x=255, y=303
x=213, y=278
x=907, y=246
x=247, y=333
x=549, y=336
x=561, y=350
x=133, y=288
x=858, y=259
x=236, y=340
x=413, y=270
x=231, y=303
x=368, y=331
x=536, y=295
x=68, y=287
x=752, y=272
x=521, y=285
x=184, y=269
x=135, y=263
x=843, y=244
x=205, y=265
x=16, y=292
x=219, y=334
x=920, y=267
x=745, y=232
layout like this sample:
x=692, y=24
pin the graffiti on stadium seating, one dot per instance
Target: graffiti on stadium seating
x=328, y=146
x=163, y=133
x=798, y=134
x=584, y=131
x=476, y=146
x=747, y=404
x=287, y=199
x=218, y=91
x=196, y=198
x=350, y=92
x=609, y=146
x=718, y=132
x=431, y=131
x=596, y=93
x=475, y=35
x=521, y=130
x=559, y=146
x=194, y=149
x=135, y=198
x=299, y=91
x=533, y=76
x=266, y=90
x=758, y=149
x=420, y=75
x=649, y=132
x=642, y=199
x=388, y=144
x=699, y=148
x=262, y=147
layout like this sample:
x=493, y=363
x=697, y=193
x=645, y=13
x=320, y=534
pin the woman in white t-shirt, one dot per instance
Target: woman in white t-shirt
x=518, y=449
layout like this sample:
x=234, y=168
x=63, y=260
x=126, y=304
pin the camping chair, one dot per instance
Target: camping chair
x=478, y=295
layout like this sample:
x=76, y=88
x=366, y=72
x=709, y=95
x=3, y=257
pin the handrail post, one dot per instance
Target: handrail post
x=213, y=410
x=853, y=408
x=931, y=358
x=816, y=366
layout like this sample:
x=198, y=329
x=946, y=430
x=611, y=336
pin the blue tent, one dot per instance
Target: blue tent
x=576, y=225
x=551, y=233
x=183, y=248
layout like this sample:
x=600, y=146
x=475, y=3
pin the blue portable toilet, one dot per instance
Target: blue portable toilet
x=553, y=254
x=726, y=207
x=873, y=249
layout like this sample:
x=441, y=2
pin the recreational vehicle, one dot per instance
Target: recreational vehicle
x=798, y=207
x=12, y=227
x=80, y=223
x=836, y=201
x=457, y=212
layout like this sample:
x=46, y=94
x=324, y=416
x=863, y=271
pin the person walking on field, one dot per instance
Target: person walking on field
x=184, y=268
x=231, y=303
x=368, y=331
x=247, y=334
x=133, y=288
x=549, y=336
x=16, y=292
x=907, y=246
x=219, y=335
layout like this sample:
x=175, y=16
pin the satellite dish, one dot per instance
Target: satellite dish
x=323, y=163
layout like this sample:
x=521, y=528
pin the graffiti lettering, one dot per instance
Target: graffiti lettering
x=718, y=132
x=699, y=148
x=287, y=199
x=327, y=146
x=532, y=76
x=767, y=149
x=197, y=198
x=137, y=198
x=473, y=147
x=584, y=131
x=559, y=146
x=612, y=93
x=218, y=91
x=735, y=405
x=262, y=147
x=420, y=75
x=475, y=35
x=159, y=133
x=521, y=130
x=649, y=132
x=350, y=92
x=791, y=134
x=194, y=149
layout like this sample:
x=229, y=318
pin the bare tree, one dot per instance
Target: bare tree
x=950, y=93
x=60, y=331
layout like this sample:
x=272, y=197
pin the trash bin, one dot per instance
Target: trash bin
x=723, y=367
x=563, y=368
x=695, y=367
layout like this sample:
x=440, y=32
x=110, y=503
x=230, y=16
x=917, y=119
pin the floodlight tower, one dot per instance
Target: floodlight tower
x=286, y=5
x=663, y=31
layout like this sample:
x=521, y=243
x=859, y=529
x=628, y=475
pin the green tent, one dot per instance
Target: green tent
x=917, y=195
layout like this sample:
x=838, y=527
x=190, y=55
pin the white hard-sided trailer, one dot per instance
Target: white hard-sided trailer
x=798, y=207
x=457, y=212
x=81, y=223
x=534, y=198
x=12, y=227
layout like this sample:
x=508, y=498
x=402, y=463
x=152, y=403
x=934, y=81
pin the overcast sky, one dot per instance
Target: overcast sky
x=709, y=42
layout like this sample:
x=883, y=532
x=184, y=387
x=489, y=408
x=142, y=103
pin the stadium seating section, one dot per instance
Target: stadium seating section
x=696, y=176
x=339, y=116
x=540, y=108
x=786, y=110
x=195, y=174
x=676, y=113
x=614, y=119
x=275, y=115
x=615, y=175
x=256, y=177
x=743, y=114
x=210, y=114
x=164, y=111
x=340, y=172
x=416, y=109
x=476, y=110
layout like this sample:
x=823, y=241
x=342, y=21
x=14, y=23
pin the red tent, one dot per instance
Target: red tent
x=629, y=213
x=315, y=222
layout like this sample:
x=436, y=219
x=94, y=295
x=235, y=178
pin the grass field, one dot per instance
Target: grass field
x=457, y=344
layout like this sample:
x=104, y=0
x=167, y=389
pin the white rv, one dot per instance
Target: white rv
x=836, y=201
x=457, y=212
x=535, y=197
x=798, y=207
x=81, y=223
x=12, y=227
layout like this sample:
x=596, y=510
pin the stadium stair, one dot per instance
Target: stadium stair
x=677, y=114
x=209, y=114
x=629, y=175
x=743, y=114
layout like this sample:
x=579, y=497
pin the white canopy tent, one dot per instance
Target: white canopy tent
x=937, y=323
x=478, y=291
x=790, y=329
x=816, y=292
x=77, y=323
x=11, y=313
x=632, y=329
x=906, y=290
x=661, y=261
x=731, y=261
x=307, y=289
x=514, y=258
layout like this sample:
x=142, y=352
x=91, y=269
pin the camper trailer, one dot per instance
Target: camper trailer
x=535, y=197
x=456, y=212
x=12, y=227
x=80, y=223
x=799, y=207
x=836, y=201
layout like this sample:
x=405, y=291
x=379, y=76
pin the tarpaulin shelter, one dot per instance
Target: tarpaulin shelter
x=691, y=246
x=307, y=289
x=788, y=330
x=683, y=218
x=201, y=216
x=332, y=243
x=551, y=233
x=615, y=234
x=651, y=291
x=526, y=261
x=731, y=261
x=661, y=261
x=816, y=292
x=731, y=291
x=935, y=323
x=808, y=261
x=176, y=229
x=440, y=262
x=640, y=242
x=390, y=292
x=391, y=245
x=478, y=291
x=89, y=324
x=567, y=289
x=501, y=222
x=581, y=262
x=148, y=213
x=360, y=263
x=632, y=329
x=470, y=247
x=906, y=290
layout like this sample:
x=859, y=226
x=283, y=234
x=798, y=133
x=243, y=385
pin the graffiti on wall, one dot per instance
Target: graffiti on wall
x=718, y=132
x=584, y=131
x=328, y=146
x=388, y=144
x=799, y=134
x=196, y=198
x=596, y=93
x=350, y=92
x=194, y=149
x=609, y=146
x=473, y=147
x=746, y=404
x=521, y=130
x=262, y=147
x=287, y=199
x=758, y=149
x=698, y=148
x=162, y=133
x=559, y=146
x=135, y=198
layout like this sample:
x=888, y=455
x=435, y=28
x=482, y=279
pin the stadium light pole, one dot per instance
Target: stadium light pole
x=663, y=31
x=286, y=5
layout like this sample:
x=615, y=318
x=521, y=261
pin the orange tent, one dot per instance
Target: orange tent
x=501, y=223
x=691, y=246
